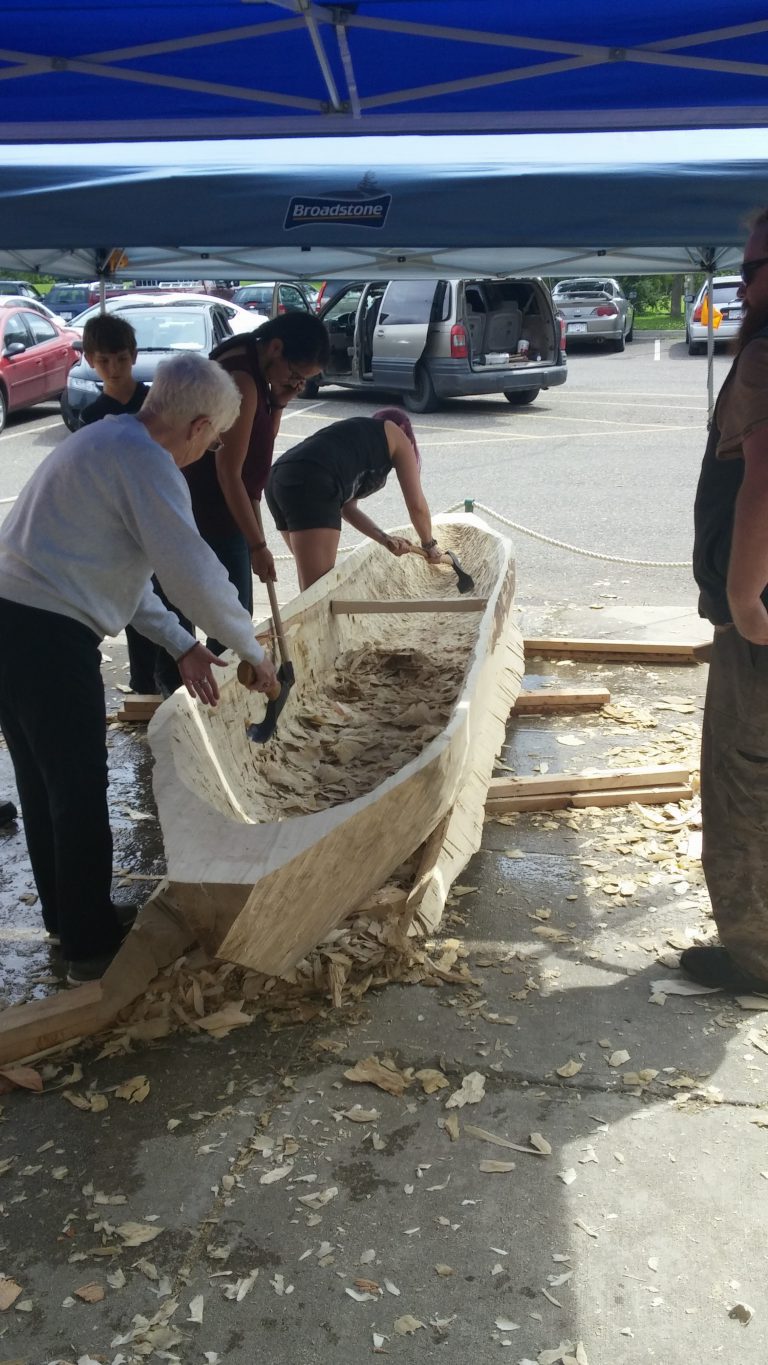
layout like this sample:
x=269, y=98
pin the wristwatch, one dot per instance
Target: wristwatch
x=428, y=544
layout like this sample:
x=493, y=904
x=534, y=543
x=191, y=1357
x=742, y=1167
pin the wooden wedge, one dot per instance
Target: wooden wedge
x=545, y=701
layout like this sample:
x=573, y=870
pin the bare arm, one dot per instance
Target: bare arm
x=352, y=513
x=748, y=566
x=231, y=458
x=407, y=470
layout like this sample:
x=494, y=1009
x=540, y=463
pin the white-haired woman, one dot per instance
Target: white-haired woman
x=107, y=507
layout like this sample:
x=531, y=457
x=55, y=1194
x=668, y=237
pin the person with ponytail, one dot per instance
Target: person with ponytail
x=318, y=484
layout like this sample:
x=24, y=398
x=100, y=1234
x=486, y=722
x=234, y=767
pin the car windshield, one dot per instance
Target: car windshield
x=62, y=295
x=582, y=287
x=262, y=298
x=158, y=330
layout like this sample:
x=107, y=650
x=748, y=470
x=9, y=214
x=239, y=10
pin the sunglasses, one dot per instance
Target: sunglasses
x=750, y=268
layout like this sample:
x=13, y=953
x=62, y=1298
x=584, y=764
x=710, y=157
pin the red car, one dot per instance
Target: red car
x=36, y=356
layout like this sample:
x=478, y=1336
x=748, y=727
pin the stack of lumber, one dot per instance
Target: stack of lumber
x=138, y=708
x=611, y=787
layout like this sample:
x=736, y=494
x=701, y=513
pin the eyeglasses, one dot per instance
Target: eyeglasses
x=750, y=268
x=216, y=445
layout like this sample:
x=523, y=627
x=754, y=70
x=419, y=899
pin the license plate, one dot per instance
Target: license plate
x=577, y=326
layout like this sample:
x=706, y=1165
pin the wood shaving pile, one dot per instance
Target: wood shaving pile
x=376, y=713
x=201, y=995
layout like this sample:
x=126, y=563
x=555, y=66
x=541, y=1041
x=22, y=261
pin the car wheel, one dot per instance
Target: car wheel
x=519, y=398
x=311, y=388
x=631, y=332
x=423, y=398
x=696, y=348
x=619, y=343
x=70, y=422
x=3, y=409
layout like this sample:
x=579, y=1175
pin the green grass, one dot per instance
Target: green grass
x=658, y=322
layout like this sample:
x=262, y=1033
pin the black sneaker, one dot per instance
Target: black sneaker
x=713, y=966
x=86, y=969
x=8, y=813
x=89, y=969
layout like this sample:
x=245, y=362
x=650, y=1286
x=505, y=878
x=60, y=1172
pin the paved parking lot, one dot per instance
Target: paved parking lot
x=608, y=462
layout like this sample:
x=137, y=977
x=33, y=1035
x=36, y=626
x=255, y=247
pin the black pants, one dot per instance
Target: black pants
x=232, y=551
x=52, y=714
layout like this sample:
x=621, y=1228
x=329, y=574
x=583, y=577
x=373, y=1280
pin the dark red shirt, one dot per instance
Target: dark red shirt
x=236, y=355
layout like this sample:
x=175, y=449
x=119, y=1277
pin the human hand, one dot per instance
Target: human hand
x=261, y=677
x=263, y=564
x=195, y=668
x=751, y=621
x=396, y=545
x=281, y=394
x=434, y=554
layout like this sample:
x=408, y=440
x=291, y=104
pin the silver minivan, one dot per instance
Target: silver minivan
x=432, y=339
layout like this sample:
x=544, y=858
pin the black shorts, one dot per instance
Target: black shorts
x=303, y=497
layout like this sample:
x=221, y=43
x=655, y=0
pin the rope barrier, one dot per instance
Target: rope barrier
x=574, y=549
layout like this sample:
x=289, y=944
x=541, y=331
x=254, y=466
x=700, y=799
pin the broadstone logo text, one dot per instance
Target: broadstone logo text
x=370, y=213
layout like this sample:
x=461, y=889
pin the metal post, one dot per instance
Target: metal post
x=710, y=349
x=469, y=504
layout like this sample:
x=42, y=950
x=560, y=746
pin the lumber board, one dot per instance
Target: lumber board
x=405, y=605
x=159, y=936
x=618, y=796
x=664, y=774
x=627, y=651
x=546, y=700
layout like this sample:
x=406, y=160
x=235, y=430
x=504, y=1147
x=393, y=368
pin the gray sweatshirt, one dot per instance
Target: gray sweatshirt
x=106, y=509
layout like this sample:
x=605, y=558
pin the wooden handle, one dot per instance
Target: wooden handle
x=246, y=675
x=274, y=606
x=417, y=550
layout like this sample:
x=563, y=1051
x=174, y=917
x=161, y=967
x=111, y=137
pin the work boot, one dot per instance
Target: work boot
x=8, y=813
x=714, y=966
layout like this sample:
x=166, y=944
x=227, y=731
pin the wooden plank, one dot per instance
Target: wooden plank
x=406, y=605
x=159, y=936
x=664, y=774
x=546, y=700
x=620, y=796
x=639, y=651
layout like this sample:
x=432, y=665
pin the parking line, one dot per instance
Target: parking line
x=29, y=431
x=657, y=349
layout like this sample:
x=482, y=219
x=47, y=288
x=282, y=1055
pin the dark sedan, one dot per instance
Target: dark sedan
x=160, y=332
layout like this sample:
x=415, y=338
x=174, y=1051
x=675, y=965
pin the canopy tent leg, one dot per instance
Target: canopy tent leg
x=710, y=350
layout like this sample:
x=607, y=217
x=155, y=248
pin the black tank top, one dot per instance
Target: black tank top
x=355, y=453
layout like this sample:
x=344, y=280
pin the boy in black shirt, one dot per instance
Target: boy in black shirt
x=109, y=343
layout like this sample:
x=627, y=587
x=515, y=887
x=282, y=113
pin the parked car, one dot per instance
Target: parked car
x=70, y=299
x=36, y=305
x=272, y=297
x=328, y=290
x=160, y=332
x=19, y=287
x=240, y=319
x=595, y=310
x=432, y=339
x=35, y=358
x=727, y=303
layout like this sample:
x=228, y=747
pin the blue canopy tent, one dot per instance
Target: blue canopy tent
x=551, y=192
x=97, y=70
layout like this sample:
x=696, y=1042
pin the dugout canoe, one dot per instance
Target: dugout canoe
x=383, y=753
